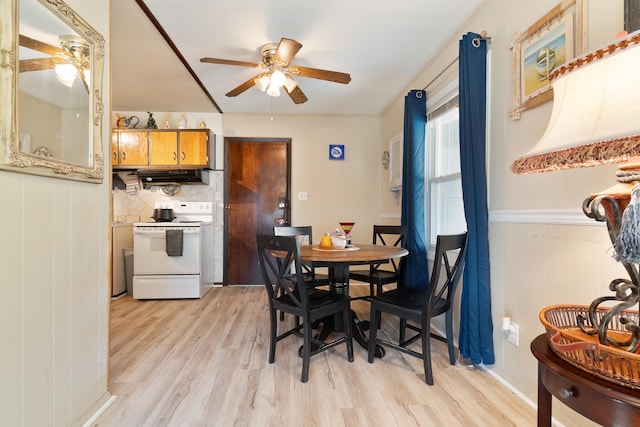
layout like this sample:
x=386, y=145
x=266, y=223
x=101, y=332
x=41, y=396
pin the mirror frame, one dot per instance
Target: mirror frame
x=11, y=158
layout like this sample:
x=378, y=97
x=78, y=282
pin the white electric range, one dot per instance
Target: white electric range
x=178, y=264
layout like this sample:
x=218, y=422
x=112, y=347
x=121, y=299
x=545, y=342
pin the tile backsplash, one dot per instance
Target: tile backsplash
x=137, y=206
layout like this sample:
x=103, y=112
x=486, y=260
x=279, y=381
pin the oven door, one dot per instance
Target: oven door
x=150, y=252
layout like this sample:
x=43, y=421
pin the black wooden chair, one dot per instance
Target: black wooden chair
x=288, y=292
x=380, y=274
x=420, y=306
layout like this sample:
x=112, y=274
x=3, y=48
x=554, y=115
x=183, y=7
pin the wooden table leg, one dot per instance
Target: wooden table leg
x=544, y=401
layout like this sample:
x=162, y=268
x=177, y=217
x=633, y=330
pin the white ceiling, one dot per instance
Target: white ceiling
x=383, y=45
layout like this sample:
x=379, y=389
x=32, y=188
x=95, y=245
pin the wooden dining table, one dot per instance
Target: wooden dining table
x=338, y=261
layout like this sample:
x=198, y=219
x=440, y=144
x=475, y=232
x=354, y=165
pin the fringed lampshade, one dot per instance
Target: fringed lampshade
x=595, y=120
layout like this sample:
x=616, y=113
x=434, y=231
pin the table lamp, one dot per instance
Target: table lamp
x=595, y=120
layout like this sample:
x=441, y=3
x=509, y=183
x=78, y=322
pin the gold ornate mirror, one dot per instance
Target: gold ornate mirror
x=51, y=107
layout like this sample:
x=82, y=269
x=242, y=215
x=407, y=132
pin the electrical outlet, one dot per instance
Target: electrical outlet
x=302, y=195
x=513, y=334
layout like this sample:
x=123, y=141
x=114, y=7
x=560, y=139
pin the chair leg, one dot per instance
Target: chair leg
x=348, y=333
x=274, y=333
x=402, y=329
x=426, y=352
x=306, y=350
x=449, y=324
x=379, y=318
x=373, y=331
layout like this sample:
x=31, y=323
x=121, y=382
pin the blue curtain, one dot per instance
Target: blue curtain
x=414, y=272
x=476, y=325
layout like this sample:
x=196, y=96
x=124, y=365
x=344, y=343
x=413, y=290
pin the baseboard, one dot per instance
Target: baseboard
x=501, y=380
x=99, y=412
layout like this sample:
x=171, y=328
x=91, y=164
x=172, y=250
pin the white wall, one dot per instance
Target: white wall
x=54, y=262
x=532, y=265
x=337, y=190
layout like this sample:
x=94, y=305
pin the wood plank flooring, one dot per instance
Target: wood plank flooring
x=204, y=363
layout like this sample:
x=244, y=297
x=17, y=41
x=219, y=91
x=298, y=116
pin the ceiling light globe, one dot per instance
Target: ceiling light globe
x=273, y=90
x=66, y=74
x=262, y=82
x=289, y=83
x=277, y=78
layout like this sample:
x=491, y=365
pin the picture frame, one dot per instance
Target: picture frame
x=336, y=151
x=395, y=161
x=631, y=15
x=553, y=40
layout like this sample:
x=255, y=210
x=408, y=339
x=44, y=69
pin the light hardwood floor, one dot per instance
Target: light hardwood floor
x=204, y=363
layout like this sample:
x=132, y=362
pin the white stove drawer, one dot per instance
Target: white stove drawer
x=167, y=287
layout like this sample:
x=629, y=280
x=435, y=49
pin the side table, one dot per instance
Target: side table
x=602, y=401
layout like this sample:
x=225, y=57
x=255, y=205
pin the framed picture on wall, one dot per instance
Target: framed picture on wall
x=336, y=152
x=631, y=15
x=395, y=161
x=553, y=40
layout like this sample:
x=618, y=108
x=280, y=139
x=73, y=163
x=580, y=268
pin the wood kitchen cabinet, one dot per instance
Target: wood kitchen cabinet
x=132, y=148
x=194, y=148
x=163, y=148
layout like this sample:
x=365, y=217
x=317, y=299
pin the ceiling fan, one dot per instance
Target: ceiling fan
x=276, y=71
x=70, y=60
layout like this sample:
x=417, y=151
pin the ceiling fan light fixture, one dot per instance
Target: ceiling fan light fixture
x=66, y=74
x=276, y=71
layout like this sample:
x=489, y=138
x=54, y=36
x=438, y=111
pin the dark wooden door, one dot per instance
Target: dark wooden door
x=257, y=194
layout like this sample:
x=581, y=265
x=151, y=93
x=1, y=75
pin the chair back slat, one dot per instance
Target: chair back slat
x=447, y=268
x=279, y=259
x=397, y=232
x=302, y=233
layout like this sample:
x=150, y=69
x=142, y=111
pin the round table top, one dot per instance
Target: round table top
x=365, y=253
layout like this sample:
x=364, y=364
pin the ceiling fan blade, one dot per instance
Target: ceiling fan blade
x=34, y=44
x=296, y=95
x=287, y=49
x=243, y=87
x=37, y=64
x=316, y=73
x=228, y=62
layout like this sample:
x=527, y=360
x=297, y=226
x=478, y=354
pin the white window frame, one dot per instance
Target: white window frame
x=436, y=102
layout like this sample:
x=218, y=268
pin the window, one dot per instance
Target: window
x=444, y=210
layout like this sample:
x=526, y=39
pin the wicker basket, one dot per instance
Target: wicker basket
x=584, y=351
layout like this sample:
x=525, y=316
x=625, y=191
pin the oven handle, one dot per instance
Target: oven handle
x=161, y=231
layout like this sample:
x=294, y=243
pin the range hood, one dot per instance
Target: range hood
x=174, y=176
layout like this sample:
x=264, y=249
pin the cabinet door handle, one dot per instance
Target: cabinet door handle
x=115, y=156
x=183, y=155
x=174, y=155
x=124, y=155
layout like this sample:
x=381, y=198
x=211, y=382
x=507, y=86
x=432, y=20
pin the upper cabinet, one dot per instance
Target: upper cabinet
x=194, y=148
x=133, y=148
x=162, y=148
